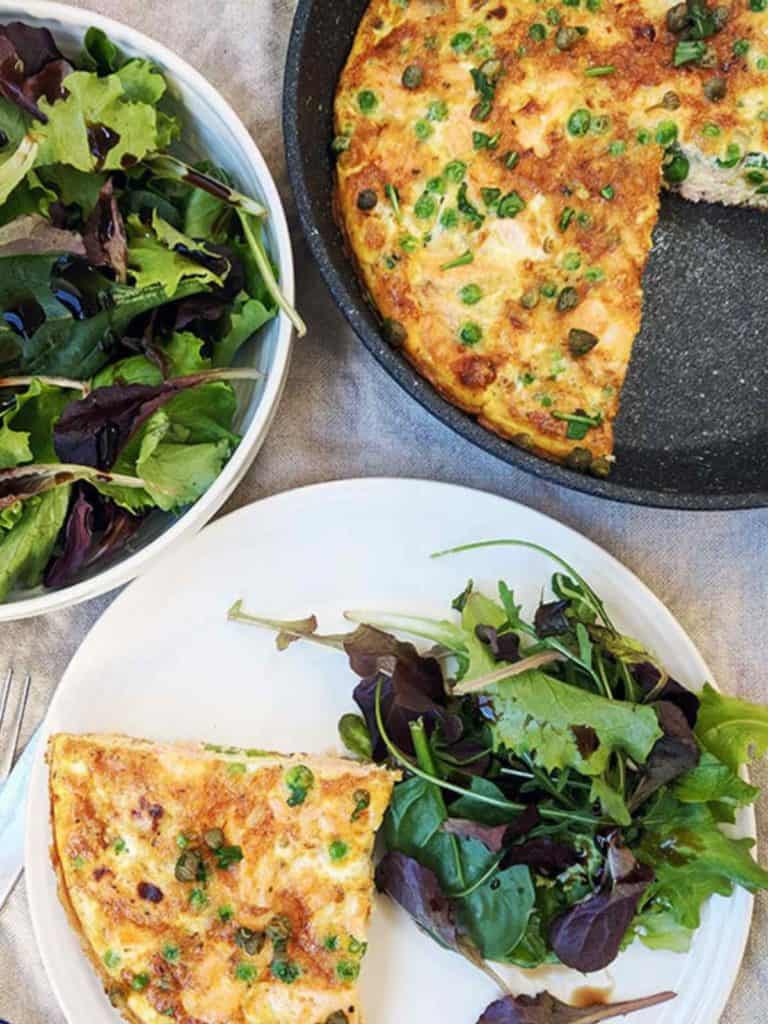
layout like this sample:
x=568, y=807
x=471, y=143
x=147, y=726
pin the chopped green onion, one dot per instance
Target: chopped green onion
x=460, y=261
x=601, y=71
x=481, y=140
x=511, y=159
x=511, y=205
x=689, y=51
x=455, y=170
x=617, y=147
x=607, y=192
x=437, y=110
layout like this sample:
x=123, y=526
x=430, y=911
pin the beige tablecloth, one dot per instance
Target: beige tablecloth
x=342, y=417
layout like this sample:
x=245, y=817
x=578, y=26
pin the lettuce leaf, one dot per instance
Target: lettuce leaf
x=734, y=730
x=161, y=255
x=26, y=548
x=122, y=103
x=536, y=715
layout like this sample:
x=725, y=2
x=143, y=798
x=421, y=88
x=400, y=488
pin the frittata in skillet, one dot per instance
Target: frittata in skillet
x=498, y=173
x=217, y=886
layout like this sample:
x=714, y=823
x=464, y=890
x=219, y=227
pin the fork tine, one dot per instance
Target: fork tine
x=6, y=690
x=6, y=762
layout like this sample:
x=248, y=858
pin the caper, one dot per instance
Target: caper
x=355, y=736
x=720, y=17
x=214, y=838
x=395, y=333
x=677, y=18
x=709, y=59
x=413, y=76
x=116, y=995
x=250, y=941
x=340, y=144
x=567, y=299
x=579, y=459
x=670, y=101
x=530, y=298
x=338, y=1017
x=367, y=199
x=187, y=866
x=566, y=38
x=715, y=89
x=279, y=929
x=492, y=69
x=523, y=441
x=580, y=342
x=601, y=467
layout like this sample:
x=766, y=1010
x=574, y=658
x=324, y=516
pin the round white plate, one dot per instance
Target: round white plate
x=165, y=663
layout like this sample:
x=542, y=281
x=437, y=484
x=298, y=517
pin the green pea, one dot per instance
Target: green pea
x=462, y=42
x=449, y=218
x=139, y=982
x=367, y=101
x=538, y=32
x=299, y=781
x=666, y=133
x=676, y=165
x=437, y=110
x=355, y=736
x=455, y=170
x=285, y=970
x=425, y=206
x=571, y=261
x=422, y=129
x=470, y=294
x=579, y=122
x=338, y=850
x=470, y=333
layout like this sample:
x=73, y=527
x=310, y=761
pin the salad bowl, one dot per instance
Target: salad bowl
x=211, y=131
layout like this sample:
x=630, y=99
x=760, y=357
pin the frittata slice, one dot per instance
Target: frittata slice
x=498, y=177
x=217, y=886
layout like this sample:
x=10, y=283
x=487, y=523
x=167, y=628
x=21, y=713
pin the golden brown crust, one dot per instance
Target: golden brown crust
x=483, y=264
x=123, y=813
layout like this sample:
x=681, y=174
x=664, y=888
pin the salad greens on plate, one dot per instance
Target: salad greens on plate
x=562, y=795
x=129, y=281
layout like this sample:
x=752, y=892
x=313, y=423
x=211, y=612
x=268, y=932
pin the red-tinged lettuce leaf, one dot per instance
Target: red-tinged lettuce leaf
x=95, y=527
x=92, y=431
x=543, y=855
x=29, y=481
x=492, y=836
x=33, y=235
x=418, y=891
x=651, y=682
x=106, y=244
x=545, y=1009
x=503, y=646
x=676, y=753
x=589, y=936
x=31, y=67
x=550, y=619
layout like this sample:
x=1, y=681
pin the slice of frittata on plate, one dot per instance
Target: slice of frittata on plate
x=214, y=885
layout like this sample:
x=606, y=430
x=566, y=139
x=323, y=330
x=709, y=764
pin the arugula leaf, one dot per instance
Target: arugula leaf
x=131, y=124
x=536, y=715
x=26, y=548
x=734, y=730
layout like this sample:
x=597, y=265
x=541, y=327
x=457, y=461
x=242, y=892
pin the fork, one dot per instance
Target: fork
x=13, y=784
x=10, y=748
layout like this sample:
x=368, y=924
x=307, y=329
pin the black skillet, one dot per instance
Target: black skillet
x=693, y=427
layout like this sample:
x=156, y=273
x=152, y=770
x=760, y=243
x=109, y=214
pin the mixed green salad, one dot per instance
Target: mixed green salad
x=129, y=281
x=562, y=795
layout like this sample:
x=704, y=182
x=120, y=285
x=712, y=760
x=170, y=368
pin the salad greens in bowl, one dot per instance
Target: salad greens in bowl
x=145, y=304
x=563, y=797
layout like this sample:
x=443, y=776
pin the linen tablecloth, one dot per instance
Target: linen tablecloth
x=343, y=417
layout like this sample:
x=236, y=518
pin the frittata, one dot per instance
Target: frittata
x=498, y=176
x=215, y=885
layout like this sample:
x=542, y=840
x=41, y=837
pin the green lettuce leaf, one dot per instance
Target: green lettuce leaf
x=734, y=730
x=157, y=256
x=73, y=187
x=121, y=102
x=179, y=451
x=247, y=317
x=26, y=548
x=535, y=715
x=26, y=429
x=712, y=781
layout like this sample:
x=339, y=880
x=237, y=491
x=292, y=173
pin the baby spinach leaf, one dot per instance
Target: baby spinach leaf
x=495, y=914
x=247, y=317
x=535, y=714
x=545, y=1009
x=100, y=54
x=477, y=810
x=734, y=730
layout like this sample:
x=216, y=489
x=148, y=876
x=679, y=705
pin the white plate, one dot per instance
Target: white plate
x=164, y=663
x=212, y=129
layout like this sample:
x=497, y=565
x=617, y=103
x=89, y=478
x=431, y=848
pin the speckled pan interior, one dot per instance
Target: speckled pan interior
x=693, y=427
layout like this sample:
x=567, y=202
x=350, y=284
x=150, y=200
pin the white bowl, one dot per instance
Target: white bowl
x=213, y=129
